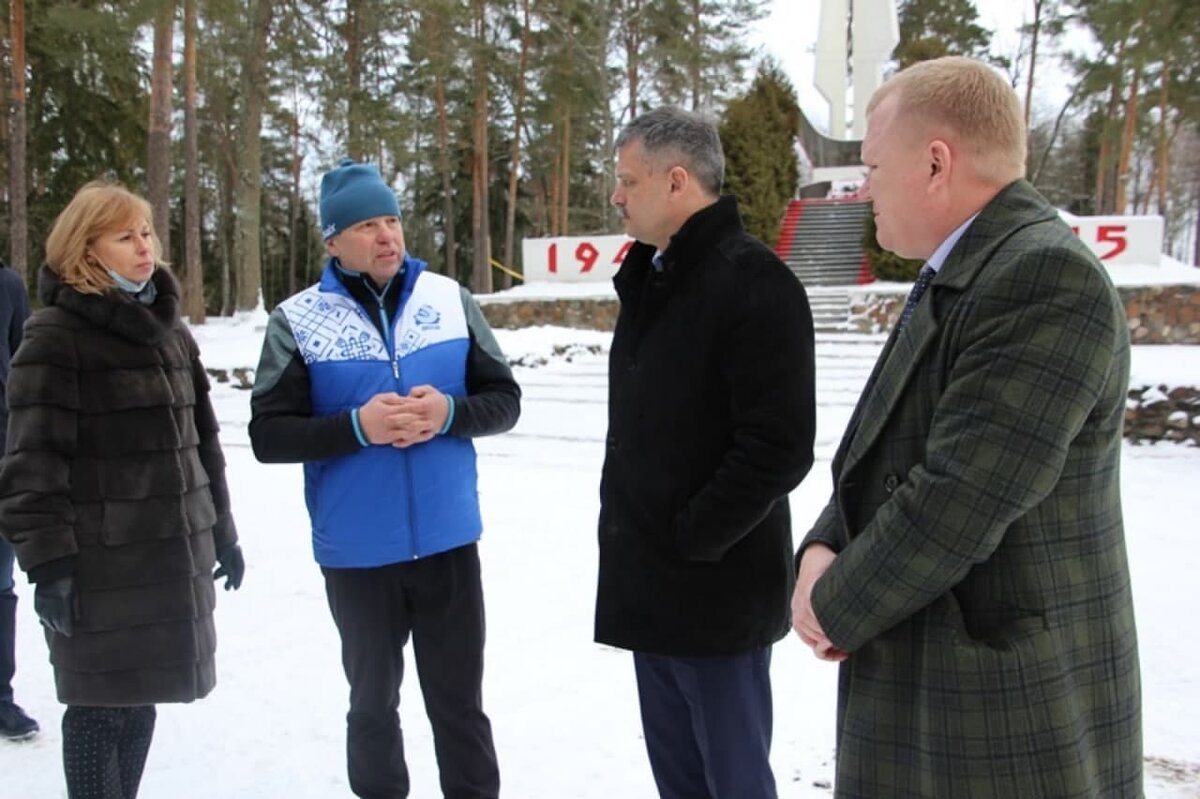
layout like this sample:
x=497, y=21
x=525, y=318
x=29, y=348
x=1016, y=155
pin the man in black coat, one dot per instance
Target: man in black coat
x=711, y=422
x=14, y=310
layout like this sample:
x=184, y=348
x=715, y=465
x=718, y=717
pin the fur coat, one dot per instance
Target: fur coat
x=114, y=475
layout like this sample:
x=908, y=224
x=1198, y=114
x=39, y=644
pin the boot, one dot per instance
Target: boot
x=14, y=724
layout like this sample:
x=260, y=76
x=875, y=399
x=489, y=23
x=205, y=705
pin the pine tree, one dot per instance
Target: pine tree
x=758, y=133
x=15, y=107
x=158, y=148
x=935, y=28
x=699, y=48
x=87, y=104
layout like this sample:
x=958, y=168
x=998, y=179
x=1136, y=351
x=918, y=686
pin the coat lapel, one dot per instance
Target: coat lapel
x=898, y=366
x=839, y=457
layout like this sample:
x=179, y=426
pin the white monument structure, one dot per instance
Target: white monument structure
x=855, y=39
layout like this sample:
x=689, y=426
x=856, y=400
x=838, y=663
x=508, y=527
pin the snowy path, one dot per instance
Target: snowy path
x=563, y=708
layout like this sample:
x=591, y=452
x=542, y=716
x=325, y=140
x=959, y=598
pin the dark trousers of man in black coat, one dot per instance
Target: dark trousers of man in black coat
x=727, y=703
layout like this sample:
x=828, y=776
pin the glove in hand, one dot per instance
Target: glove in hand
x=54, y=602
x=232, y=568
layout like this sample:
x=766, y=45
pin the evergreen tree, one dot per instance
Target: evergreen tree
x=87, y=104
x=698, y=48
x=758, y=133
x=935, y=28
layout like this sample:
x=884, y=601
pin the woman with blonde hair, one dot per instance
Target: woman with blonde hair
x=113, y=490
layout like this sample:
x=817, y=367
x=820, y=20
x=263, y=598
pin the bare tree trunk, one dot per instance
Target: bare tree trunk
x=1098, y=201
x=248, y=252
x=694, y=60
x=1103, y=165
x=1164, y=145
x=295, y=200
x=4, y=109
x=355, y=147
x=1139, y=171
x=1033, y=47
x=1127, y=135
x=556, y=187
x=606, y=210
x=18, y=218
x=633, y=50
x=540, y=228
x=564, y=196
x=443, y=141
x=448, y=214
x=229, y=229
x=481, y=273
x=193, y=273
x=158, y=145
x=514, y=159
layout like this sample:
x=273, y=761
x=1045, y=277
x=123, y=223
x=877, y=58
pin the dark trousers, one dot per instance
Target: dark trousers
x=707, y=723
x=439, y=602
x=8, y=622
x=104, y=750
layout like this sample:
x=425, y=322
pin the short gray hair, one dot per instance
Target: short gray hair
x=688, y=139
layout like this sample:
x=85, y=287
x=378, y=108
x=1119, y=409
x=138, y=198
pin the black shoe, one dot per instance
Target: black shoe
x=14, y=724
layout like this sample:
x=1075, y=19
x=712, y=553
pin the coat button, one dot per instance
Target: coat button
x=890, y=483
x=612, y=444
x=630, y=365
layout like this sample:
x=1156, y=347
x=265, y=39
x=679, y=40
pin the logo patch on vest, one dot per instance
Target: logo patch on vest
x=427, y=318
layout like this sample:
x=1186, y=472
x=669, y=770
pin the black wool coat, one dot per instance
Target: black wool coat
x=114, y=474
x=711, y=423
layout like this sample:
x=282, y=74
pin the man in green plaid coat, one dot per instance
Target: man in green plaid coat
x=970, y=571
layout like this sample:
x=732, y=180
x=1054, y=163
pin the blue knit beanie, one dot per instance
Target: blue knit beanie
x=351, y=193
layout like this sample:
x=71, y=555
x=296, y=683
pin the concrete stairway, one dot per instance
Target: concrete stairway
x=830, y=308
x=821, y=241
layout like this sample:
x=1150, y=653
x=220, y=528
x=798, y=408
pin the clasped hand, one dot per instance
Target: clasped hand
x=402, y=421
x=813, y=563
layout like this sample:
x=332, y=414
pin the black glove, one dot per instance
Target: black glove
x=233, y=566
x=54, y=602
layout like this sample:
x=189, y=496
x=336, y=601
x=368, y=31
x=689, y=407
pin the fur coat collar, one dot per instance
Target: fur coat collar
x=115, y=310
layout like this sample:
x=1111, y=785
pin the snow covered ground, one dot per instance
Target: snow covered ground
x=564, y=710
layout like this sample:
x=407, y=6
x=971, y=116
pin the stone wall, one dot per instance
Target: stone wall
x=1155, y=314
x=875, y=311
x=1162, y=314
x=1159, y=413
x=594, y=313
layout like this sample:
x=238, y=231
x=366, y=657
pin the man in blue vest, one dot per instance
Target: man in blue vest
x=376, y=379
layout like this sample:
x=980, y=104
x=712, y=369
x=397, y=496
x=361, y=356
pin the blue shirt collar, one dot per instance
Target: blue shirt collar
x=941, y=253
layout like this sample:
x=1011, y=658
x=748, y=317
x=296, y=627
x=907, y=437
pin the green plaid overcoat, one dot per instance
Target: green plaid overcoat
x=981, y=585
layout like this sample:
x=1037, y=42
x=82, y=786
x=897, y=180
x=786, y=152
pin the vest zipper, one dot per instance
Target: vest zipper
x=389, y=343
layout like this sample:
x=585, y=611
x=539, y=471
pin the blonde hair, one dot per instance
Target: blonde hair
x=97, y=208
x=974, y=102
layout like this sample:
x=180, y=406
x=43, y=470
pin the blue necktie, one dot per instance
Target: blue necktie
x=924, y=277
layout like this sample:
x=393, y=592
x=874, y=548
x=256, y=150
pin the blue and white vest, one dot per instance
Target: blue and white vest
x=383, y=505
